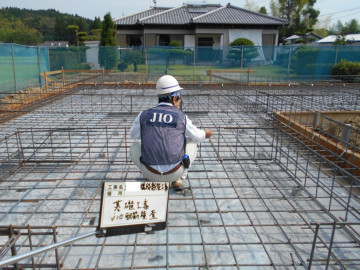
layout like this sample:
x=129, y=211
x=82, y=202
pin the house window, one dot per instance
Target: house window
x=164, y=40
x=205, y=41
x=134, y=40
x=268, y=39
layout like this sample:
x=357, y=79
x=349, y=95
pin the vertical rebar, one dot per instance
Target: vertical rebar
x=7, y=148
x=313, y=246
x=56, y=250
x=19, y=145
x=126, y=151
x=13, y=246
x=51, y=145
x=31, y=246
x=71, y=157
x=131, y=103
x=33, y=143
x=88, y=137
x=348, y=202
x=331, y=244
x=107, y=143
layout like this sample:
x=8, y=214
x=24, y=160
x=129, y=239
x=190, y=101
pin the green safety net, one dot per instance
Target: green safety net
x=21, y=66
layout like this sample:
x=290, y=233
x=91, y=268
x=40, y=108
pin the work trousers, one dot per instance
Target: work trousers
x=135, y=152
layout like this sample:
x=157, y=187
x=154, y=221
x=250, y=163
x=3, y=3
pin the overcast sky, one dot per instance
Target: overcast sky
x=344, y=10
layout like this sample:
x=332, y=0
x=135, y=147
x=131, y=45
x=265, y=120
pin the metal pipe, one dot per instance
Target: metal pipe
x=32, y=253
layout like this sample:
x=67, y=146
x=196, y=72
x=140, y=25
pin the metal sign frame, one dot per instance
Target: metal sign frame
x=131, y=207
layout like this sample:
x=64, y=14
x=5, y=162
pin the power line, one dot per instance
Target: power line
x=343, y=16
x=339, y=11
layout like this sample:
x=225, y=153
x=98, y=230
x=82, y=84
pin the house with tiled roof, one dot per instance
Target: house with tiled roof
x=351, y=39
x=308, y=38
x=197, y=25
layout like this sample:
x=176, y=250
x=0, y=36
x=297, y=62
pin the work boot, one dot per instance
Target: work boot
x=176, y=184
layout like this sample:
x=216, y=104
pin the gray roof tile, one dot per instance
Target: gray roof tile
x=209, y=14
x=235, y=15
x=179, y=15
x=132, y=19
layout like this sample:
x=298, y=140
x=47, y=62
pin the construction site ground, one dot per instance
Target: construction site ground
x=256, y=197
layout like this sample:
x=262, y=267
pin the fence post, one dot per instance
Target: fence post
x=248, y=75
x=289, y=63
x=146, y=65
x=194, y=64
x=242, y=56
x=346, y=134
x=336, y=54
x=316, y=119
x=39, y=68
x=46, y=81
x=13, y=59
x=63, y=77
x=103, y=71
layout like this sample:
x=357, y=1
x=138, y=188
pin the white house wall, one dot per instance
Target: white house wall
x=189, y=41
x=255, y=35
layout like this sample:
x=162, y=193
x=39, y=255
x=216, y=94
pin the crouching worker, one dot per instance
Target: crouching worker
x=168, y=137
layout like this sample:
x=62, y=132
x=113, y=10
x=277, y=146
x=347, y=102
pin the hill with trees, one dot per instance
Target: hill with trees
x=30, y=27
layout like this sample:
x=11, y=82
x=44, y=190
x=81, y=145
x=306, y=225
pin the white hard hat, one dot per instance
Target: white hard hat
x=167, y=84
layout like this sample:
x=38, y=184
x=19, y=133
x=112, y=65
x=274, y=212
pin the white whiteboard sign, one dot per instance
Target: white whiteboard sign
x=133, y=203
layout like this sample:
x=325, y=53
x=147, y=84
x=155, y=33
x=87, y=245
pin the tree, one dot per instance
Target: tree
x=96, y=24
x=251, y=5
x=242, y=49
x=339, y=28
x=300, y=15
x=82, y=36
x=108, y=27
x=13, y=30
x=173, y=51
x=263, y=10
x=108, y=53
x=135, y=57
x=73, y=38
x=275, y=8
x=353, y=27
x=50, y=23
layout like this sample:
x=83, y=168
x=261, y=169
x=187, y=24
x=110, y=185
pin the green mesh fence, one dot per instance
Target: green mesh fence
x=20, y=67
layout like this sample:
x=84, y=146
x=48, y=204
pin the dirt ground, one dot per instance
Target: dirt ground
x=337, y=131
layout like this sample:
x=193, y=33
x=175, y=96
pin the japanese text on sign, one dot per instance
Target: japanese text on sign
x=133, y=203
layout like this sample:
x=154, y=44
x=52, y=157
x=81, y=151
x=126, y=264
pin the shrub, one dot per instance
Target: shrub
x=108, y=57
x=242, y=41
x=242, y=49
x=69, y=58
x=175, y=43
x=122, y=65
x=305, y=61
x=346, y=70
x=134, y=57
x=300, y=40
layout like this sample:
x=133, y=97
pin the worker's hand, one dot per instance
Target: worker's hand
x=208, y=133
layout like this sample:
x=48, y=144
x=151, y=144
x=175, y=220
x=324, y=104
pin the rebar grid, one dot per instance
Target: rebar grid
x=256, y=197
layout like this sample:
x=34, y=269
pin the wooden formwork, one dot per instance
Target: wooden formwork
x=308, y=132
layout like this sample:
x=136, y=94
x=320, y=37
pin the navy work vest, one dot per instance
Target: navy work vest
x=162, y=135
